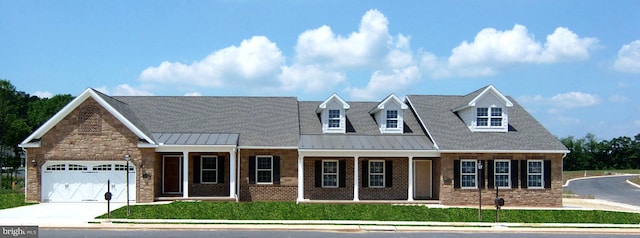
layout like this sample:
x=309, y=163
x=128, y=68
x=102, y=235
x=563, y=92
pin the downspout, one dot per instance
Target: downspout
x=238, y=163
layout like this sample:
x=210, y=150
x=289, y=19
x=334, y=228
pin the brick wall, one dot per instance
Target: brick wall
x=312, y=192
x=548, y=197
x=400, y=184
x=213, y=190
x=287, y=190
x=111, y=143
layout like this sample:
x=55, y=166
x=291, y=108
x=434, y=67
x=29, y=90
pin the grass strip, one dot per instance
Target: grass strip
x=362, y=212
x=11, y=198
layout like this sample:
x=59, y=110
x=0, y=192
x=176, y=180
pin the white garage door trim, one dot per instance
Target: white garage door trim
x=86, y=181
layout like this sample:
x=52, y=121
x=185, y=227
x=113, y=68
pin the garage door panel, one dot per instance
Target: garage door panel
x=84, y=184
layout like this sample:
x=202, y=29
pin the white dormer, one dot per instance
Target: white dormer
x=389, y=114
x=333, y=114
x=485, y=110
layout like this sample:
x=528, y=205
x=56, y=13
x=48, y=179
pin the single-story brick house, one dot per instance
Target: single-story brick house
x=422, y=148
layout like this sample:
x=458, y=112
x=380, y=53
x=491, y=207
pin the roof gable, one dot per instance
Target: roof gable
x=471, y=99
x=389, y=99
x=98, y=97
x=333, y=97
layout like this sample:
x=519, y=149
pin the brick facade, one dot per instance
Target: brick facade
x=287, y=190
x=547, y=197
x=312, y=192
x=111, y=143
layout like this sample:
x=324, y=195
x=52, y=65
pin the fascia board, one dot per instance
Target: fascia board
x=334, y=96
x=435, y=144
x=66, y=110
x=384, y=102
x=268, y=147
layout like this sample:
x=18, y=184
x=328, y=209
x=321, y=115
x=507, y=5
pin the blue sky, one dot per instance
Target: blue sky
x=575, y=65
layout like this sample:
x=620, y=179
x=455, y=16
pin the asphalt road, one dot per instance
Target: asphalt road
x=614, y=189
x=302, y=234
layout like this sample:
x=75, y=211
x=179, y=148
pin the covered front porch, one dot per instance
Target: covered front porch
x=196, y=167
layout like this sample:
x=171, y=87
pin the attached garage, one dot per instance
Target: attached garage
x=86, y=181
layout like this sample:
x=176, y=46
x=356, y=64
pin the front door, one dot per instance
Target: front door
x=422, y=179
x=171, y=174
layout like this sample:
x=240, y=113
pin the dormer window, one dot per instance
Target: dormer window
x=332, y=114
x=483, y=117
x=392, y=119
x=389, y=114
x=485, y=110
x=334, y=118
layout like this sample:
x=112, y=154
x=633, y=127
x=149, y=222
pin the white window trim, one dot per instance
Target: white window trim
x=329, y=119
x=337, y=173
x=541, y=174
x=202, y=169
x=397, y=119
x=383, y=173
x=489, y=117
x=258, y=168
x=475, y=174
x=495, y=173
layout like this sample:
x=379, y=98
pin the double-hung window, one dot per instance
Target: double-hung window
x=209, y=169
x=329, y=173
x=501, y=173
x=392, y=119
x=468, y=173
x=534, y=174
x=376, y=174
x=489, y=116
x=264, y=169
x=334, y=118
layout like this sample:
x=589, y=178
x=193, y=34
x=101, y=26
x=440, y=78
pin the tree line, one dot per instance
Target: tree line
x=20, y=115
x=588, y=153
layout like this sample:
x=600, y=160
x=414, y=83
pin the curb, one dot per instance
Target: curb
x=592, y=177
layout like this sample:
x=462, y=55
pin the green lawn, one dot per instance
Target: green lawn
x=11, y=198
x=364, y=212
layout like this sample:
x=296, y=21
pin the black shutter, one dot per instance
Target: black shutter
x=365, y=173
x=481, y=177
x=514, y=174
x=318, y=173
x=252, y=169
x=276, y=169
x=220, y=169
x=524, y=179
x=342, y=173
x=196, y=169
x=491, y=174
x=456, y=174
x=547, y=174
x=388, y=173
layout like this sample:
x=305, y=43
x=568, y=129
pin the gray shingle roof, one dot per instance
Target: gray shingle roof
x=260, y=121
x=359, y=121
x=451, y=133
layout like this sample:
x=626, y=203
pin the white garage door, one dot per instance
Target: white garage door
x=86, y=181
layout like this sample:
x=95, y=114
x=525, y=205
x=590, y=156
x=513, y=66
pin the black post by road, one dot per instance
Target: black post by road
x=108, y=199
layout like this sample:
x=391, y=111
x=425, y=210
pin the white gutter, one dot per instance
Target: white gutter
x=506, y=151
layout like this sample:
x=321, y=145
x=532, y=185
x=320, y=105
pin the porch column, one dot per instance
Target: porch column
x=300, y=178
x=356, y=192
x=232, y=173
x=185, y=174
x=410, y=192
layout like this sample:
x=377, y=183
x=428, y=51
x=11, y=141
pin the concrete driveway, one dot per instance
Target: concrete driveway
x=609, y=188
x=55, y=214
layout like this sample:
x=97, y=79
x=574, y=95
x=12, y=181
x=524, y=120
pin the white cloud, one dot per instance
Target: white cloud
x=629, y=58
x=255, y=59
x=562, y=101
x=309, y=78
x=41, y=94
x=492, y=50
x=360, y=48
x=124, y=90
x=193, y=94
x=575, y=99
x=382, y=83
